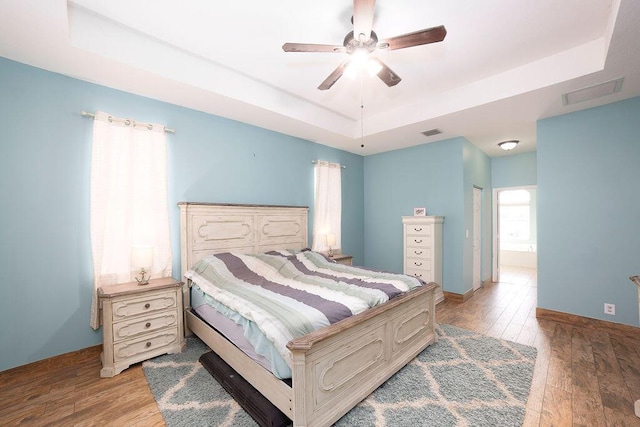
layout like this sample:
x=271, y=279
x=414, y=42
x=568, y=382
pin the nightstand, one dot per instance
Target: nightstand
x=342, y=259
x=140, y=322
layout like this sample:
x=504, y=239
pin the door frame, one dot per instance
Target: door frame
x=495, y=264
x=477, y=233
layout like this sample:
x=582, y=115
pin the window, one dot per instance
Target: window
x=327, y=212
x=515, y=215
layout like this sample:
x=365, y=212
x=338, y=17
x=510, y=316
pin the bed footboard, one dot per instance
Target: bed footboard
x=336, y=368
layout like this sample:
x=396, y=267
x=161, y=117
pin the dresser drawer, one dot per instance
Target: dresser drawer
x=133, y=327
x=418, y=230
x=125, y=308
x=148, y=344
x=418, y=252
x=417, y=242
x=424, y=275
x=417, y=263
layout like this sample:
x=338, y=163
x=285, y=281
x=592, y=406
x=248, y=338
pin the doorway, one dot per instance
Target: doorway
x=515, y=248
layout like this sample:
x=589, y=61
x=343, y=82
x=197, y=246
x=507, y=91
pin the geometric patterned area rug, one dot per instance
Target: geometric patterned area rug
x=465, y=379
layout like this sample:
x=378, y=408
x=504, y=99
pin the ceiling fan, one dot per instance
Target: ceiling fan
x=363, y=41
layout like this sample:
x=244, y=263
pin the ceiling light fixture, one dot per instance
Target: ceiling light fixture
x=508, y=145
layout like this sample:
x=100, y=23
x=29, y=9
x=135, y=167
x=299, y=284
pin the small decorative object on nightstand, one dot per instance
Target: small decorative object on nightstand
x=139, y=323
x=142, y=257
x=342, y=259
x=331, y=240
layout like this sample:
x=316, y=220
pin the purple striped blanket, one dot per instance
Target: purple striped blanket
x=290, y=294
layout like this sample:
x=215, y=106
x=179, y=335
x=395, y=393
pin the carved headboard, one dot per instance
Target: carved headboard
x=207, y=228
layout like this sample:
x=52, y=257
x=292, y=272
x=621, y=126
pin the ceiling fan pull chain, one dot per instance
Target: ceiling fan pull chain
x=361, y=111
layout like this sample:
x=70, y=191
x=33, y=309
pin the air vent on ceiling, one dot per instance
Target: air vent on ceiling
x=432, y=132
x=592, y=92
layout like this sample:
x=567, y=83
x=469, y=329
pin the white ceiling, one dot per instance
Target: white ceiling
x=503, y=65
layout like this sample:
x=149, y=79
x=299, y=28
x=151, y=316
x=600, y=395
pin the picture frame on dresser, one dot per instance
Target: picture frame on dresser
x=419, y=211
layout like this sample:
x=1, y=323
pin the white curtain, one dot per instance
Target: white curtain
x=327, y=214
x=128, y=201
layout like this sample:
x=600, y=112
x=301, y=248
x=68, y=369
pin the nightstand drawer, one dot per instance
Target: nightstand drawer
x=132, y=328
x=137, y=347
x=147, y=304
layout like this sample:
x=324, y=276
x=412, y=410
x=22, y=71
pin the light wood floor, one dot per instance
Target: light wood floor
x=582, y=377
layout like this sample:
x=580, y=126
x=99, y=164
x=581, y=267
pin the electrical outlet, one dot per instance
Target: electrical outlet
x=610, y=309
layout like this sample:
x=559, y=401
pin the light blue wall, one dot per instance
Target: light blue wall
x=45, y=151
x=589, y=210
x=477, y=173
x=429, y=175
x=439, y=176
x=515, y=170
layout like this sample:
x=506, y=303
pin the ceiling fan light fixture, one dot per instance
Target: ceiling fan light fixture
x=351, y=72
x=371, y=66
x=508, y=145
x=359, y=61
x=359, y=57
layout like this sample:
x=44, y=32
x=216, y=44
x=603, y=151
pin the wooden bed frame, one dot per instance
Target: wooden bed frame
x=333, y=368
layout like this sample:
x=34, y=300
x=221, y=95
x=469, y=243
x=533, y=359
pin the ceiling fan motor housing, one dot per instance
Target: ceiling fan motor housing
x=351, y=44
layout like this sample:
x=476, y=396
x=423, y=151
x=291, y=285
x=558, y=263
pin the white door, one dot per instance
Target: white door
x=477, y=237
x=496, y=237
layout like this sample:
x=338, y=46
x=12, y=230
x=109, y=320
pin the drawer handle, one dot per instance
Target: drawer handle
x=417, y=241
x=147, y=305
x=148, y=325
x=418, y=275
x=417, y=252
x=418, y=263
x=148, y=344
x=418, y=229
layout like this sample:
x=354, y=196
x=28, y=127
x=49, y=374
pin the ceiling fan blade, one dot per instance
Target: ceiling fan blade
x=333, y=77
x=429, y=35
x=363, y=19
x=307, y=47
x=386, y=74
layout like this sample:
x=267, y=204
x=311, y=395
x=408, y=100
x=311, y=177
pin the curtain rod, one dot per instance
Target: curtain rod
x=93, y=116
x=315, y=161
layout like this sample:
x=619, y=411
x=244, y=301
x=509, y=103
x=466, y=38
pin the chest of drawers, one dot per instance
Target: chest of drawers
x=422, y=249
x=140, y=322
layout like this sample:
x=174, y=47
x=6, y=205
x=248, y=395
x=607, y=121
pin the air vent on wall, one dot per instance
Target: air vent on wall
x=592, y=92
x=432, y=132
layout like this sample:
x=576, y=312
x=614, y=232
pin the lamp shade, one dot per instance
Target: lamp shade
x=331, y=239
x=141, y=256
